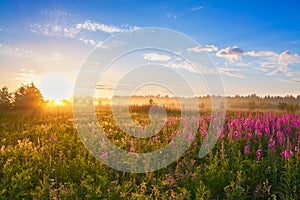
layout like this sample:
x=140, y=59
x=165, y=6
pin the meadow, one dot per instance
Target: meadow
x=256, y=157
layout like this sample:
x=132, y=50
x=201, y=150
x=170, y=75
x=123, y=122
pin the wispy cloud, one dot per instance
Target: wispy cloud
x=231, y=72
x=295, y=80
x=230, y=53
x=292, y=80
x=280, y=62
x=172, y=16
x=156, y=57
x=26, y=75
x=200, y=48
x=260, y=53
x=58, y=25
x=94, y=26
x=196, y=8
x=181, y=65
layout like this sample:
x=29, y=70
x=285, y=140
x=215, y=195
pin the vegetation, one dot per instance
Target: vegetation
x=42, y=156
x=26, y=97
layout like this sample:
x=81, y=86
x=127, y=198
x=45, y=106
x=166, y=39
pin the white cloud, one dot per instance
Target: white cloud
x=196, y=8
x=26, y=75
x=89, y=41
x=260, y=53
x=94, y=26
x=295, y=80
x=292, y=80
x=181, y=65
x=156, y=57
x=172, y=16
x=283, y=61
x=59, y=24
x=200, y=48
x=230, y=53
x=231, y=72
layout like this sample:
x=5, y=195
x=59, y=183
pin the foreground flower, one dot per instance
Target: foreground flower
x=246, y=149
x=104, y=154
x=51, y=138
x=258, y=154
x=286, y=154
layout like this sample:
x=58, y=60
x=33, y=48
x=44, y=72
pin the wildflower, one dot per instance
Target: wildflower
x=271, y=145
x=172, y=143
x=246, y=149
x=237, y=134
x=190, y=137
x=51, y=138
x=155, y=139
x=248, y=136
x=258, y=154
x=132, y=149
x=286, y=154
x=104, y=154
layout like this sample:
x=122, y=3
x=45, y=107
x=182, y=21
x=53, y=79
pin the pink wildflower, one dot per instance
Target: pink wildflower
x=286, y=154
x=104, y=154
x=246, y=149
x=258, y=154
x=51, y=138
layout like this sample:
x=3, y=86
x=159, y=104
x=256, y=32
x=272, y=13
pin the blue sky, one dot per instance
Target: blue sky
x=254, y=44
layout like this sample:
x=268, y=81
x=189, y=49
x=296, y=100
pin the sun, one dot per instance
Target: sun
x=56, y=87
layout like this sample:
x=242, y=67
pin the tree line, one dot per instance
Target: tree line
x=25, y=97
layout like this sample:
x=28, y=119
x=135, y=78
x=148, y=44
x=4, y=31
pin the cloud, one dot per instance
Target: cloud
x=26, y=75
x=94, y=26
x=231, y=53
x=231, y=72
x=292, y=80
x=283, y=61
x=260, y=53
x=53, y=30
x=200, y=48
x=156, y=57
x=196, y=8
x=181, y=65
x=89, y=41
x=295, y=80
x=172, y=16
x=61, y=24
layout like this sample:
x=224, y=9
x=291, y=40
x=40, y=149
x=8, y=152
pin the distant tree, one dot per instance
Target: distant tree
x=251, y=105
x=151, y=102
x=28, y=97
x=5, y=99
x=282, y=105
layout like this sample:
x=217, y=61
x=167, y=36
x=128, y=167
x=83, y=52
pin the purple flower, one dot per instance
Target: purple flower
x=190, y=137
x=172, y=143
x=246, y=149
x=155, y=139
x=51, y=138
x=258, y=154
x=286, y=154
x=132, y=149
x=104, y=154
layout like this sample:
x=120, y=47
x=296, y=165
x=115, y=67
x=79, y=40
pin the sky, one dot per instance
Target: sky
x=254, y=45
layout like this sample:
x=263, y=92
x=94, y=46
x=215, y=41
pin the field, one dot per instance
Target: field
x=256, y=157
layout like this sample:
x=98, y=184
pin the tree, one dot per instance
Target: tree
x=251, y=105
x=282, y=105
x=151, y=102
x=5, y=99
x=28, y=97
